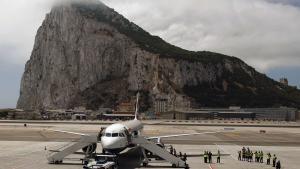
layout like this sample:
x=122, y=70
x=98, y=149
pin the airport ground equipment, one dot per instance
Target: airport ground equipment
x=58, y=156
x=102, y=162
x=159, y=151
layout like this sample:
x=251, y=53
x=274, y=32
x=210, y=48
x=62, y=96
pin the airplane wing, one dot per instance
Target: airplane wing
x=56, y=151
x=181, y=135
x=68, y=132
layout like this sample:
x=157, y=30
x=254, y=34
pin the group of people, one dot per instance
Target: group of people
x=208, y=157
x=247, y=155
x=173, y=152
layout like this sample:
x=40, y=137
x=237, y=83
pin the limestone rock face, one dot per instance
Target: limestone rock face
x=86, y=54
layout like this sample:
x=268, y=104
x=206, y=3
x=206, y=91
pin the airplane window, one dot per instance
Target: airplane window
x=115, y=135
x=108, y=134
x=121, y=135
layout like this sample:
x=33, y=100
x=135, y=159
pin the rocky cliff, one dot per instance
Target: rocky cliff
x=86, y=54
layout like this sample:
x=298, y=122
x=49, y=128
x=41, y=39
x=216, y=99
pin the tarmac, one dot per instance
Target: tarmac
x=24, y=147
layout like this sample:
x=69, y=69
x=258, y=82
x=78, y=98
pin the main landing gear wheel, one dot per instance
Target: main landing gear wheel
x=58, y=162
x=145, y=164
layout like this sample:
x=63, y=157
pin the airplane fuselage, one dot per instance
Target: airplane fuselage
x=117, y=137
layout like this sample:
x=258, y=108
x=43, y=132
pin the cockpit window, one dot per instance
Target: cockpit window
x=108, y=134
x=121, y=135
x=115, y=135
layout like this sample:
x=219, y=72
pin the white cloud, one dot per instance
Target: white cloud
x=20, y=20
x=262, y=33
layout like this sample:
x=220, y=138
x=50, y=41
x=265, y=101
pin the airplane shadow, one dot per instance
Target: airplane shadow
x=131, y=159
x=68, y=163
x=134, y=159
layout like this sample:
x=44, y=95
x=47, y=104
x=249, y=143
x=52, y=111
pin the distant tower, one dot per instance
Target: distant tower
x=284, y=81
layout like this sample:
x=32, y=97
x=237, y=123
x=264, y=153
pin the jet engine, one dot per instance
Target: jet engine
x=90, y=148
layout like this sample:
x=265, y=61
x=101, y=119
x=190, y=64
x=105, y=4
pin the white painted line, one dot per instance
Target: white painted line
x=210, y=166
x=232, y=156
x=219, y=147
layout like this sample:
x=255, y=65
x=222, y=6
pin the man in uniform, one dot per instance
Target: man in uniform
x=268, y=158
x=184, y=158
x=175, y=153
x=248, y=154
x=261, y=156
x=240, y=156
x=205, y=156
x=278, y=165
x=243, y=153
x=218, y=157
x=210, y=157
x=171, y=149
x=255, y=156
x=274, y=160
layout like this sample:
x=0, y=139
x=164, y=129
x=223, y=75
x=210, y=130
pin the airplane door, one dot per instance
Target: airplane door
x=128, y=135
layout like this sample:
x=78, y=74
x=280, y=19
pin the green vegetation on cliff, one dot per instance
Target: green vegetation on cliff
x=255, y=90
x=242, y=88
x=144, y=39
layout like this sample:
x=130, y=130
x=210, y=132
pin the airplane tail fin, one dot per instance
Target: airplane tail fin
x=137, y=106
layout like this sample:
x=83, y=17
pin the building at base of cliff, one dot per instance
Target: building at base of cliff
x=277, y=114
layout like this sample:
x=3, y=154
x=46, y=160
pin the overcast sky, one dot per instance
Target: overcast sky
x=264, y=33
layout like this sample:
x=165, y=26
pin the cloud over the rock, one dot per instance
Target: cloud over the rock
x=264, y=33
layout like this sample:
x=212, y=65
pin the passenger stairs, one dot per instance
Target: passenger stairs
x=161, y=152
x=58, y=156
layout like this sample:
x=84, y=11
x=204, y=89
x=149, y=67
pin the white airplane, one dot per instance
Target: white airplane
x=117, y=137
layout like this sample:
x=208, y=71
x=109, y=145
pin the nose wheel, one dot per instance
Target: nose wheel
x=186, y=166
x=145, y=164
x=146, y=160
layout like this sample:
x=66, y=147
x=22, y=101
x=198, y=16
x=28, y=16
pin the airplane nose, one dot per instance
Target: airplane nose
x=110, y=143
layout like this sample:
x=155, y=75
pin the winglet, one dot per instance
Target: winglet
x=137, y=106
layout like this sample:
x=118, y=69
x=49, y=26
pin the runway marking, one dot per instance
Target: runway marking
x=232, y=156
x=233, y=135
x=210, y=166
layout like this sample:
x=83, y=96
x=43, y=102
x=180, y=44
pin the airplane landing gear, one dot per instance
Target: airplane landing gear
x=145, y=164
x=186, y=166
x=58, y=162
x=146, y=160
